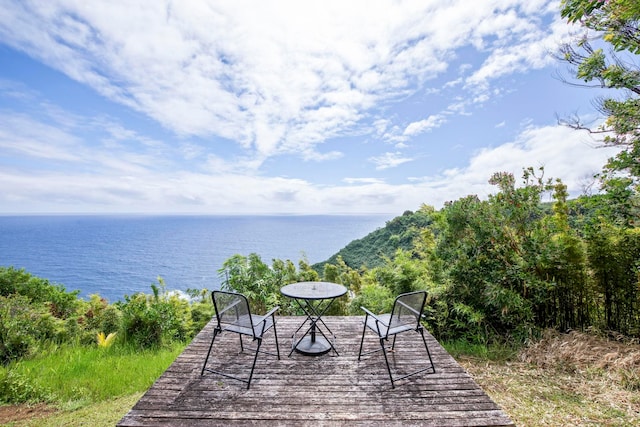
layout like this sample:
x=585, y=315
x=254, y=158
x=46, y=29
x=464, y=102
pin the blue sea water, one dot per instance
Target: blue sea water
x=115, y=256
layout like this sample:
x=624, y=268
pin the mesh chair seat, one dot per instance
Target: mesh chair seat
x=260, y=325
x=380, y=325
x=405, y=316
x=233, y=315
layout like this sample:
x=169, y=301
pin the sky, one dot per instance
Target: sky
x=282, y=107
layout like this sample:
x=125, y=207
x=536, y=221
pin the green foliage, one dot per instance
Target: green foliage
x=505, y=267
x=201, y=314
x=614, y=254
x=501, y=352
x=100, y=316
x=341, y=273
x=17, y=387
x=35, y=314
x=617, y=19
x=376, y=298
x=261, y=284
x=403, y=274
x=151, y=321
x=48, y=337
x=24, y=327
x=494, y=270
x=617, y=22
x=141, y=321
x=60, y=302
x=253, y=278
x=485, y=246
x=371, y=250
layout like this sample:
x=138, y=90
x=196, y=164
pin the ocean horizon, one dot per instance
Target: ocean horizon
x=118, y=255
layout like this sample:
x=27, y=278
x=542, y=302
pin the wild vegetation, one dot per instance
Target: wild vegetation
x=57, y=348
x=501, y=269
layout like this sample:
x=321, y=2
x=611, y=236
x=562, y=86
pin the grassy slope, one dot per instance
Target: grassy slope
x=86, y=386
x=535, y=396
x=566, y=379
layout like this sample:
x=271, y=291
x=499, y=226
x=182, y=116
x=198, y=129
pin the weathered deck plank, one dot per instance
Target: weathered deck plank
x=325, y=390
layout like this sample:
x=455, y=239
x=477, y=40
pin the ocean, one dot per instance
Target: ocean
x=120, y=255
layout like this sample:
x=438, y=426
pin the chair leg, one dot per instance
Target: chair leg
x=362, y=339
x=241, y=345
x=255, y=358
x=428, y=352
x=276, y=335
x=386, y=360
x=215, y=332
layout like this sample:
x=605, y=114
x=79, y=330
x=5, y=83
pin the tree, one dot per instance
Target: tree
x=616, y=22
x=490, y=248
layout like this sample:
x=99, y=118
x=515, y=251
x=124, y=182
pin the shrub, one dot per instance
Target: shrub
x=141, y=322
x=149, y=321
x=23, y=327
x=201, y=314
x=110, y=319
x=100, y=316
x=16, y=387
x=60, y=302
x=374, y=297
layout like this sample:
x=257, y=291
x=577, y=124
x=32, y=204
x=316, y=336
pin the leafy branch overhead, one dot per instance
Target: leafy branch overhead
x=615, y=23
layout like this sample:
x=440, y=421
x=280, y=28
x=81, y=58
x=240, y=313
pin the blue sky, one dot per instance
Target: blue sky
x=244, y=107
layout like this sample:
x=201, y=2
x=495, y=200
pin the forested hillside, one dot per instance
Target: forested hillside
x=371, y=250
x=503, y=268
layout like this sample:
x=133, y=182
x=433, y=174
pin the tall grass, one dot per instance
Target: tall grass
x=75, y=376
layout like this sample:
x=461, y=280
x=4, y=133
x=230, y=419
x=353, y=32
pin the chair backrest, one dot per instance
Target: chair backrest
x=232, y=311
x=407, y=309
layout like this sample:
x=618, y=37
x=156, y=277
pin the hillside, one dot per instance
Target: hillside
x=370, y=251
x=399, y=232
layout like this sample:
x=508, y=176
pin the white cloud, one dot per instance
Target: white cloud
x=389, y=160
x=127, y=187
x=21, y=135
x=270, y=78
x=416, y=128
x=529, y=50
x=564, y=153
x=363, y=181
x=276, y=77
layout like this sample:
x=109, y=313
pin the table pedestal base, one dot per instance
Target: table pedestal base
x=313, y=348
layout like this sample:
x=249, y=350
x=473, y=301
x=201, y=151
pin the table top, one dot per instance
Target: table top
x=313, y=290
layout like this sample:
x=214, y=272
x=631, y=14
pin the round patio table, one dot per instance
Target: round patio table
x=314, y=298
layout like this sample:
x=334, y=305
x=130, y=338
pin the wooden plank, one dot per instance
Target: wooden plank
x=321, y=390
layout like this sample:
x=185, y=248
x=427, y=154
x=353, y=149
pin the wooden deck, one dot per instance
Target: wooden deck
x=326, y=390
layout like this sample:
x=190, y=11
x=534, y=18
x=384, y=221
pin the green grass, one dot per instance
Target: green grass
x=72, y=377
x=493, y=352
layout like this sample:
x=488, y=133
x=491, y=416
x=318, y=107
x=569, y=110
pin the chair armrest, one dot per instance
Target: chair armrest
x=273, y=310
x=264, y=318
x=374, y=316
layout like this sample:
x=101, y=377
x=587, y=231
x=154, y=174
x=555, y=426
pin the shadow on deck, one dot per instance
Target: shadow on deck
x=324, y=390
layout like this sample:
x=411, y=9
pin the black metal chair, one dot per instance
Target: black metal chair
x=405, y=316
x=233, y=315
